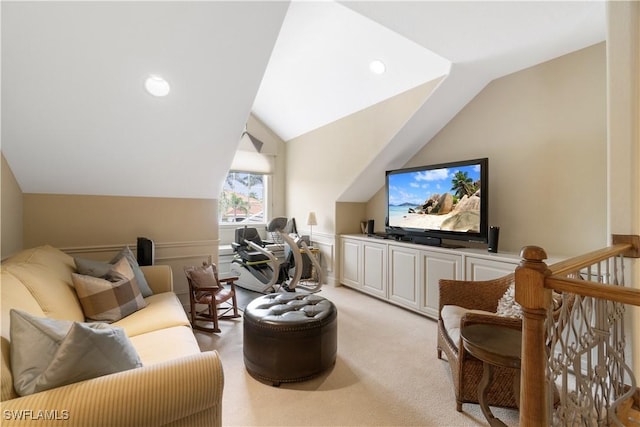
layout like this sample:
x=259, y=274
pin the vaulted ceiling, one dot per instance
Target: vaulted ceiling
x=76, y=118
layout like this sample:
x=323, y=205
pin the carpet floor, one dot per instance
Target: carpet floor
x=386, y=374
x=245, y=296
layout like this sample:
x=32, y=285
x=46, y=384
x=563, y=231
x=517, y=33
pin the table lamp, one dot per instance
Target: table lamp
x=311, y=221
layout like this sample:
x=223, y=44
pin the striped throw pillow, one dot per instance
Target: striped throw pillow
x=112, y=298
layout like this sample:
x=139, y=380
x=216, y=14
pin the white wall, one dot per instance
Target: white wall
x=323, y=163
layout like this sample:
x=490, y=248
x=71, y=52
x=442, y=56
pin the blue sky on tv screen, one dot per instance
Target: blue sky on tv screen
x=416, y=187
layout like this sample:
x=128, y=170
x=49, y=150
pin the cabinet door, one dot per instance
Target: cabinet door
x=437, y=266
x=404, y=276
x=487, y=269
x=374, y=273
x=350, y=263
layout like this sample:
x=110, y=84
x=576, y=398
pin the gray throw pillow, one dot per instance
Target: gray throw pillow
x=49, y=353
x=89, y=267
x=142, y=281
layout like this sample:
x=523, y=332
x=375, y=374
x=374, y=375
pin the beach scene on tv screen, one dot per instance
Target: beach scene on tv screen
x=436, y=199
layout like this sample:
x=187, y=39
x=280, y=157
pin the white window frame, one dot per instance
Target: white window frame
x=226, y=230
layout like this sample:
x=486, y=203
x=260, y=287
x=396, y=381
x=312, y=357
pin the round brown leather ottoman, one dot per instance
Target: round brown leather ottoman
x=289, y=337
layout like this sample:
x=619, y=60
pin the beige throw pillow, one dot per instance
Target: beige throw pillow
x=202, y=277
x=112, y=298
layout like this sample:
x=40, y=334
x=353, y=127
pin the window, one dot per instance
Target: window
x=243, y=199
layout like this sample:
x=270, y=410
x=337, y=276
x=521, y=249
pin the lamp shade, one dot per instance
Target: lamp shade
x=311, y=219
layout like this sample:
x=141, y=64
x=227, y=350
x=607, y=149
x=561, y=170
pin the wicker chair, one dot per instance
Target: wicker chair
x=482, y=297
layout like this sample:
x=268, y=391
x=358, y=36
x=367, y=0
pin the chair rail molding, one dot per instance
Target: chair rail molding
x=177, y=255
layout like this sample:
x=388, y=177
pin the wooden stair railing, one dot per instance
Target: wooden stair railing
x=585, y=279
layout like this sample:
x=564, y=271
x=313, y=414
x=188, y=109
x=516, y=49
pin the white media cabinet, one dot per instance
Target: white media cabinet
x=407, y=274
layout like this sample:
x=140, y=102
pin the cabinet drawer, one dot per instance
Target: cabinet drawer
x=487, y=269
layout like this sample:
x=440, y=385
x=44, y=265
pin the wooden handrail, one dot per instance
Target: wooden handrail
x=595, y=290
x=576, y=263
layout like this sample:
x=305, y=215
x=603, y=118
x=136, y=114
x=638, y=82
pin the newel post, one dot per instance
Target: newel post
x=534, y=299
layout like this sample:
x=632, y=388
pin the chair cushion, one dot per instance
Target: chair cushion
x=48, y=353
x=162, y=311
x=109, y=299
x=183, y=343
x=254, y=256
x=55, y=296
x=247, y=233
x=451, y=317
x=224, y=295
x=53, y=259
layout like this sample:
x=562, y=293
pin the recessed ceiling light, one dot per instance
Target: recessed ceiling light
x=377, y=67
x=157, y=86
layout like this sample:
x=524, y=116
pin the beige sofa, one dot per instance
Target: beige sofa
x=177, y=385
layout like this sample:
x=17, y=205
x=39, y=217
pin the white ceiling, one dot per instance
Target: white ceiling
x=318, y=71
x=319, y=68
x=76, y=120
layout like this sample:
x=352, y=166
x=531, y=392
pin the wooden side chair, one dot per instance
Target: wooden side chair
x=206, y=288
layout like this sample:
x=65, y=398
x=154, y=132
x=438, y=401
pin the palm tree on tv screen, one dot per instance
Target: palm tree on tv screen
x=462, y=184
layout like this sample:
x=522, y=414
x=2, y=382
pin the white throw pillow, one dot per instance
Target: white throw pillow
x=49, y=353
x=507, y=305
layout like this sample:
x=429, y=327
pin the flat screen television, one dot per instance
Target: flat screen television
x=444, y=201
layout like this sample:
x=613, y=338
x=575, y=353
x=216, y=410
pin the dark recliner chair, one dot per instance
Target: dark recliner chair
x=263, y=266
x=242, y=248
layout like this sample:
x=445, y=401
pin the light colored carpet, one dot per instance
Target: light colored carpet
x=386, y=374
